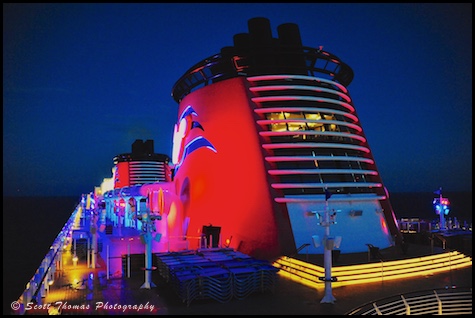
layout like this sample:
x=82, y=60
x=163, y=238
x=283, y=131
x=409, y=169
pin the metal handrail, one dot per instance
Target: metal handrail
x=457, y=301
x=222, y=66
x=36, y=286
x=299, y=249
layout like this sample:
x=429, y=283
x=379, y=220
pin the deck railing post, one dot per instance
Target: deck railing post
x=107, y=261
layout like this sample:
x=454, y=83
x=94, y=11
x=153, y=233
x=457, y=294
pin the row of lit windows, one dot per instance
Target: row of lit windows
x=296, y=126
x=307, y=122
x=314, y=138
x=300, y=115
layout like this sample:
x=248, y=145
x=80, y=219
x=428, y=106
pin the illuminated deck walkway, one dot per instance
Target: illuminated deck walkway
x=79, y=289
x=82, y=290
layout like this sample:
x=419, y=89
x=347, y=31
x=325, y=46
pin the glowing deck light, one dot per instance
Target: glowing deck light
x=307, y=273
x=441, y=205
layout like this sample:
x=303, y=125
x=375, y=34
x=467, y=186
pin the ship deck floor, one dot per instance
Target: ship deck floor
x=78, y=289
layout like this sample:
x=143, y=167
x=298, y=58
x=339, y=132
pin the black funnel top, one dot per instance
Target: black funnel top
x=259, y=53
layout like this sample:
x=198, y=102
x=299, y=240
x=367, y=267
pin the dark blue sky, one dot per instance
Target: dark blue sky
x=81, y=82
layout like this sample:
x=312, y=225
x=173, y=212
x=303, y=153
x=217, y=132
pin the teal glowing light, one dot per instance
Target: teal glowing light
x=441, y=205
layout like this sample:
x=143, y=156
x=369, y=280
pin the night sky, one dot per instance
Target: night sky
x=82, y=82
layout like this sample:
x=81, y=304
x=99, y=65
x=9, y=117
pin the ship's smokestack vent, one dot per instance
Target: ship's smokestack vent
x=242, y=41
x=140, y=147
x=292, y=58
x=259, y=53
x=289, y=35
x=260, y=32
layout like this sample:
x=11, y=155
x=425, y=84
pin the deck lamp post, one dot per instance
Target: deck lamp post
x=442, y=208
x=153, y=213
x=148, y=226
x=328, y=244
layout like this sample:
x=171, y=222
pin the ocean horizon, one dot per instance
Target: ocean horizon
x=30, y=225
